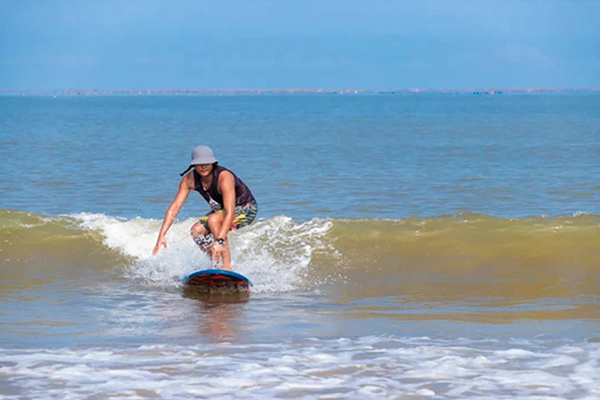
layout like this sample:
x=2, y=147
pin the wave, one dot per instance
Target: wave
x=280, y=254
x=275, y=253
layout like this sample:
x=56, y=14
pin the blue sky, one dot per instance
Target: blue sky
x=371, y=44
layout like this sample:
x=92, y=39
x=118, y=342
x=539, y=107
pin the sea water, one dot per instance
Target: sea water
x=429, y=246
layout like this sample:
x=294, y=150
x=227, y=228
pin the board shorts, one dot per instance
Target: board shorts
x=244, y=216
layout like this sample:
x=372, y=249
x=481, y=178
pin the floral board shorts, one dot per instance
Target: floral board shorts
x=244, y=216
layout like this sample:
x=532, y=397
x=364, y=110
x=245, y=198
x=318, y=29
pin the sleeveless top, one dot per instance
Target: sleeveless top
x=243, y=195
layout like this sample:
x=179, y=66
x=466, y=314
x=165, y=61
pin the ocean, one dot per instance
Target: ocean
x=409, y=246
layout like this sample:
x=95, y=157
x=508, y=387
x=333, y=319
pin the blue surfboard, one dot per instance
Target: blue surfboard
x=217, y=279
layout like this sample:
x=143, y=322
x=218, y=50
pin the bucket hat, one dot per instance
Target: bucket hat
x=201, y=155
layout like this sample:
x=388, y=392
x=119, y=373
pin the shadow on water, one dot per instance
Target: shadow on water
x=215, y=297
x=219, y=311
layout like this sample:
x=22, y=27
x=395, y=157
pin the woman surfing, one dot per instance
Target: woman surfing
x=232, y=205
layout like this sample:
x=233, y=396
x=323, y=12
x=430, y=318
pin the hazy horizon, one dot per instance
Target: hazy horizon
x=308, y=90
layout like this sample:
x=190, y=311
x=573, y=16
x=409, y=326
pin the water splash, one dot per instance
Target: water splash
x=274, y=253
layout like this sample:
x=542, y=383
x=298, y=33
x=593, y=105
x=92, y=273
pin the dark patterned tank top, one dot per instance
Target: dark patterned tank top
x=243, y=195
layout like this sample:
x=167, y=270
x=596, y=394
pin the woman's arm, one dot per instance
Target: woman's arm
x=172, y=211
x=227, y=189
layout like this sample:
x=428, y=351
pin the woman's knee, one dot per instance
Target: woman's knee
x=198, y=230
x=215, y=218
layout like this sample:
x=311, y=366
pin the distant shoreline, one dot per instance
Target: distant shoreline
x=254, y=92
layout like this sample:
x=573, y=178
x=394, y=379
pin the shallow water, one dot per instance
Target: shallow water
x=407, y=247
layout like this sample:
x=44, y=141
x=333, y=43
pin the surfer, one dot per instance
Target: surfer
x=232, y=205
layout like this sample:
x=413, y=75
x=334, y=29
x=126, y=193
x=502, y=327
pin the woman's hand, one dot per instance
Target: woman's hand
x=217, y=252
x=160, y=242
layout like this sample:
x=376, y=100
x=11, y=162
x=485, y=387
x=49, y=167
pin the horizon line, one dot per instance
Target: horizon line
x=475, y=90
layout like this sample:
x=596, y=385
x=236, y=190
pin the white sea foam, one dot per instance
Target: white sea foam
x=580, y=213
x=274, y=253
x=358, y=368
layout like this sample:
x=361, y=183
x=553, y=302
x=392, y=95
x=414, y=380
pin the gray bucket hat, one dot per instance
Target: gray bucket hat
x=201, y=155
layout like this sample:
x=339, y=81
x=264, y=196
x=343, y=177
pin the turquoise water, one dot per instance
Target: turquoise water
x=407, y=247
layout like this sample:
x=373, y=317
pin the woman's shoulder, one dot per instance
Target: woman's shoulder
x=189, y=180
x=226, y=174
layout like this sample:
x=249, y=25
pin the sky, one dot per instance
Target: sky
x=369, y=44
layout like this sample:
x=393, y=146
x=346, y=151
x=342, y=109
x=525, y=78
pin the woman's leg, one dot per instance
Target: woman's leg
x=215, y=221
x=202, y=237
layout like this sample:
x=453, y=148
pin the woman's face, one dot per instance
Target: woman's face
x=203, y=169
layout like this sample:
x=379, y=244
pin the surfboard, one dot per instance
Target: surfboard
x=217, y=279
